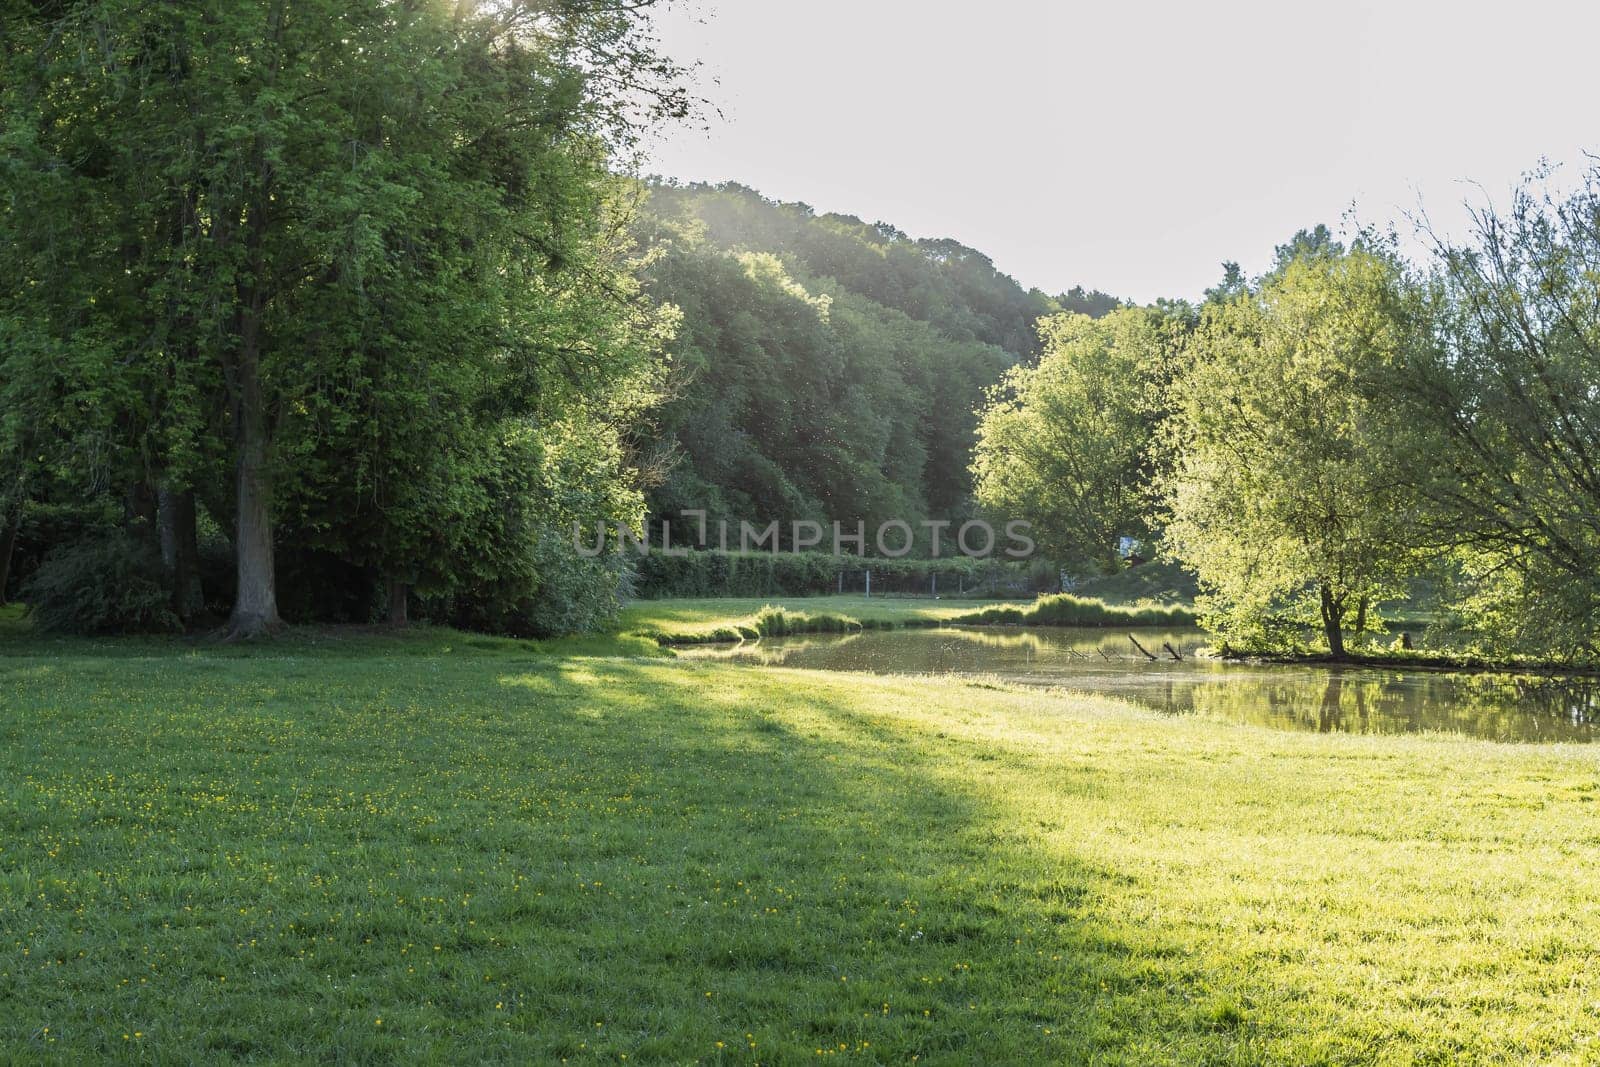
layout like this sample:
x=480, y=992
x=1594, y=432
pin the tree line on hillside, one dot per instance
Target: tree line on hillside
x=322, y=305
x=826, y=368
x=1319, y=440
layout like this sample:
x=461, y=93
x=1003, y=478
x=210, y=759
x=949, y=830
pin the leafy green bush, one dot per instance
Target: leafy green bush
x=574, y=595
x=49, y=525
x=107, y=584
x=561, y=593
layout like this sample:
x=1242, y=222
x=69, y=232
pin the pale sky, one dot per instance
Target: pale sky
x=1132, y=146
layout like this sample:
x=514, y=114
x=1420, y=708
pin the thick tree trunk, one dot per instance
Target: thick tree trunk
x=180, y=551
x=397, y=602
x=1333, y=621
x=255, y=607
x=1361, y=621
x=8, y=545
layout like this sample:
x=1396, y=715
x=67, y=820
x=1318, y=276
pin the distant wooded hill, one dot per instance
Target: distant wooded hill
x=825, y=368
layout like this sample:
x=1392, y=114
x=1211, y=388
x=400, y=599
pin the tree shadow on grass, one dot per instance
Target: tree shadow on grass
x=468, y=859
x=912, y=908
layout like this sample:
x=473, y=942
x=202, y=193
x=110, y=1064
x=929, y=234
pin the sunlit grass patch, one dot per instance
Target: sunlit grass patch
x=735, y=619
x=505, y=855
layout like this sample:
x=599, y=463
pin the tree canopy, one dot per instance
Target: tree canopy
x=1283, y=495
x=337, y=279
x=826, y=368
x=1340, y=432
x=1501, y=412
x=1070, y=444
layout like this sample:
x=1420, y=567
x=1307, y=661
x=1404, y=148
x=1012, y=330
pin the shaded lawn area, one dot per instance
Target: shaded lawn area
x=392, y=851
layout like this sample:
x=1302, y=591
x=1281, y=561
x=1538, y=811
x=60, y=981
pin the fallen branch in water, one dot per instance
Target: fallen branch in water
x=1140, y=647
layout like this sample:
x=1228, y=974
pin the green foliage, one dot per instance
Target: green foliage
x=1501, y=419
x=109, y=583
x=1347, y=425
x=781, y=622
x=1284, y=497
x=48, y=525
x=825, y=368
x=706, y=574
x=574, y=595
x=1065, y=609
x=512, y=565
x=322, y=263
x=1069, y=444
x=954, y=288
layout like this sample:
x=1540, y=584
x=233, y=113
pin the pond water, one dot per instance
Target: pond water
x=1348, y=699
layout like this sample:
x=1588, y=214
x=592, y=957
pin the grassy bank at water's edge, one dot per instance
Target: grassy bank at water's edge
x=732, y=619
x=1065, y=609
x=720, y=618
x=441, y=848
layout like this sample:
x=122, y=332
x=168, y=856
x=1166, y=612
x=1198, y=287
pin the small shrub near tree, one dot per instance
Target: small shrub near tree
x=111, y=584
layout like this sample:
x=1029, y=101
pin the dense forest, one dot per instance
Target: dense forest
x=825, y=368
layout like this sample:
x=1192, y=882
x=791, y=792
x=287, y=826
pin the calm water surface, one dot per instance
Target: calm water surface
x=1354, y=700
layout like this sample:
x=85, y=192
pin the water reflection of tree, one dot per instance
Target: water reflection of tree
x=1500, y=707
x=1085, y=642
x=1010, y=647
x=767, y=652
x=1326, y=701
x=1553, y=709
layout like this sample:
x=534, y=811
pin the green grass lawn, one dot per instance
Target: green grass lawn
x=454, y=849
x=694, y=617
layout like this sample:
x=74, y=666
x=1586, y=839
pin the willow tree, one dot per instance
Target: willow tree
x=336, y=237
x=1283, y=497
x=1502, y=411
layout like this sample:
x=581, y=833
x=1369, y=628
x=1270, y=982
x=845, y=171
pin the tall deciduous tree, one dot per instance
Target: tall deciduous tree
x=1069, y=444
x=1284, y=497
x=333, y=245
